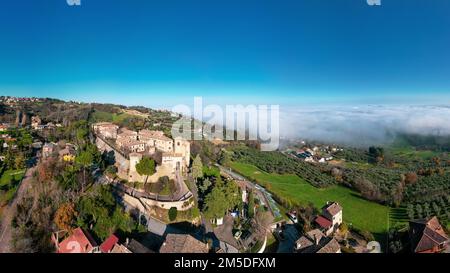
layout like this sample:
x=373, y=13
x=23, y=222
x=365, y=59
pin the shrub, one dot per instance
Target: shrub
x=173, y=213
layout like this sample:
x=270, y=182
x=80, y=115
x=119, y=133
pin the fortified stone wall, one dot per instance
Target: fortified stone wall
x=180, y=205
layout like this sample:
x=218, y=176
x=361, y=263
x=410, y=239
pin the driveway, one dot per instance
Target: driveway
x=263, y=194
x=10, y=211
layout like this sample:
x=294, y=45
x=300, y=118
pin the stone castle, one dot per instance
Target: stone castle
x=171, y=155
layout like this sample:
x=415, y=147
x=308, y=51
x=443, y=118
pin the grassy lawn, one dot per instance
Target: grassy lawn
x=409, y=152
x=8, y=176
x=403, y=149
x=165, y=190
x=112, y=117
x=162, y=188
x=362, y=214
x=9, y=183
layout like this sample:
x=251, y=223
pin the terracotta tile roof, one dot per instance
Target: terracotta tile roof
x=147, y=134
x=323, y=222
x=332, y=208
x=136, y=247
x=120, y=249
x=426, y=234
x=304, y=242
x=331, y=247
x=182, y=243
x=315, y=241
x=125, y=133
x=78, y=242
x=109, y=243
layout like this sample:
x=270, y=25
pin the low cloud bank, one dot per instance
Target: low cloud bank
x=363, y=125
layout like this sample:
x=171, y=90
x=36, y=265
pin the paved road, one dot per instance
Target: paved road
x=265, y=196
x=10, y=210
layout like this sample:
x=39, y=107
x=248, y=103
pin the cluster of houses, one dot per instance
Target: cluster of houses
x=425, y=235
x=7, y=139
x=316, y=154
x=4, y=127
x=320, y=239
x=65, y=151
x=130, y=147
x=36, y=124
x=81, y=241
x=11, y=101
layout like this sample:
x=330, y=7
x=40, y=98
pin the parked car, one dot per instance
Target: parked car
x=293, y=216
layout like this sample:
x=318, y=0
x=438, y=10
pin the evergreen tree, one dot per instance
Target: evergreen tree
x=197, y=168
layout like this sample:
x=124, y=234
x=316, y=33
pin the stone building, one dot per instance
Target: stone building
x=331, y=218
x=172, y=156
x=106, y=129
x=35, y=122
x=156, y=139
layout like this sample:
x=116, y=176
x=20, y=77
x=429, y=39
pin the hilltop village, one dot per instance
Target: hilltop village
x=129, y=147
x=111, y=179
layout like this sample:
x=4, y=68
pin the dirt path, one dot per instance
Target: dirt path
x=9, y=211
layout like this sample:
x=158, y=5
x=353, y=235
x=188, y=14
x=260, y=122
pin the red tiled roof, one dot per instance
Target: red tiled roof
x=183, y=243
x=109, y=243
x=323, y=222
x=426, y=234
x=79, y=242
x=333, y=208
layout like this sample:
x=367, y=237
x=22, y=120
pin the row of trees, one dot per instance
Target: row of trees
x=440, y=207
x=275, y=162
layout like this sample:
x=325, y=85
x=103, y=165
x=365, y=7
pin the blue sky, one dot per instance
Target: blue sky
x=160, y=53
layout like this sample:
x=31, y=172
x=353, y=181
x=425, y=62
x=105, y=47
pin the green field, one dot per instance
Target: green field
x=9, y=182
x=409, y=152
x=8, y=176
x=111, y=117
x=362, y=214
x=403, y=149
